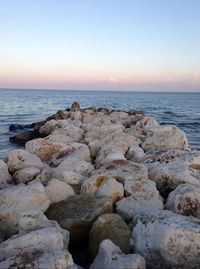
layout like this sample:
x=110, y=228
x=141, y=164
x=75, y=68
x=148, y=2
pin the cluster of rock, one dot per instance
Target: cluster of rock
x=115, y=180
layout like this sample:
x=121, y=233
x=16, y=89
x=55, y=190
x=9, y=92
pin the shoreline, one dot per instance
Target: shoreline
x=105, y=182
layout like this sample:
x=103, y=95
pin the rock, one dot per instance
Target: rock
x=43, y=148
x=20, y=159
x=123, y=170
x=73, y=171
x=75, y=107
x=5, y=177
x=185, y=200
x=24, y=136
x=25, y=175
x=165, y=137
x=103, y=186
x=169, y=175
x=167, y=240
x=77, y=214
x=144, y=195
x=16, y=199
x=111, y=257
x=58, y=191
x=77, y=115
x=109, y=226
x=135, y=153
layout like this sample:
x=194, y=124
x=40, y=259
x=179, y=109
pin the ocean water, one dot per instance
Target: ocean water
x=27, y=106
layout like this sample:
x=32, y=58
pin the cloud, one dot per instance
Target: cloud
x=112, y=79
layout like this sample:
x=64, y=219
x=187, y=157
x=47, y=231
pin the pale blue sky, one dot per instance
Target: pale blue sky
x=103, y=45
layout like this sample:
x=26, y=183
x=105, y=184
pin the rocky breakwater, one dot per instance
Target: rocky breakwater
x=101, y=189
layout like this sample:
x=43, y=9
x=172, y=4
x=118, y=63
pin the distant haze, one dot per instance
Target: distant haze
x=150, y=45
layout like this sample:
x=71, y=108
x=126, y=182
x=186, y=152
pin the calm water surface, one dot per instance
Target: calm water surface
x=27, y=106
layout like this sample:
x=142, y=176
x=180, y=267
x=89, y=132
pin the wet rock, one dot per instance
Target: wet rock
x=5, y=177
x=77, y=214
x=103, y=186
x=23, y=137
x=109, y=226
x=185, y=200
x=16, y=199
x=143, y=195
x=25, y=175
x=20, y=159
x=58, y=191
x=111, y=257
x=167, y=240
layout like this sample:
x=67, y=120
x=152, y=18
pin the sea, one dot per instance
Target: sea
x=26, y=106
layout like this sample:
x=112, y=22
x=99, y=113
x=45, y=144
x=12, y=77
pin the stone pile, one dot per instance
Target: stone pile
x=110, y=185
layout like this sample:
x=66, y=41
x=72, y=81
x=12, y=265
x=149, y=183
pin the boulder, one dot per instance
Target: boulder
x=165, y=137
x=5, y=177
x=77, y=214
x=144, y=195
x=103, y=186
x=135, y=153
x=185, y=200
x=25, y=175
x=123, y=170
x=20, y=159
x=111, y=257
x=16, y=199
x=75, y=106
x=109, y=226
x=167, y=240
x=58, y=191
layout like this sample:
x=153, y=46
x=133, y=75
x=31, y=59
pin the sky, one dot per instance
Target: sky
x=126, y=45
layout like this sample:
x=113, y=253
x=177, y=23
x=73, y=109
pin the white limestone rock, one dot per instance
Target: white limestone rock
x=143, y=195
x=185, y=200
x=57, y=190
x=16, y=199
x=135, y=153
x=5, y=177
x=25, y=175
x=103, y=186
x=111, y=257
x=167, y=240
x=20, y=159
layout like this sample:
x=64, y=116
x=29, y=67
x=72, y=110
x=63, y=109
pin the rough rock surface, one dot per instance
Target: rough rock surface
x=185, y=200
x=77, y=214
x=109, y=226
x=25, y=175
x=167, y=240
x=111, y=257
x=5, y=178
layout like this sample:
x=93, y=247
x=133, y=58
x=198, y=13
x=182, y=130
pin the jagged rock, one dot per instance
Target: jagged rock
x=109, y=226
x=25, y=175
x=58, y=191
x=123, y=170
x=144, y=195
x=165, y=137
x=103, y=186
x=185, y=200
x=16, y=199
x=167, y=240
x=77, y=214
x=20, y=159
x=5, y=177
x=111, y=257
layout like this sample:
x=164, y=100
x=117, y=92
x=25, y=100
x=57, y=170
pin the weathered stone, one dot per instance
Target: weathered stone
x=165, y=137
x=109, y=226
x=58, y=191
x=5, y=177
x=135, y=153
x=167, y=240
x=111, y=257
x=16, y=199
x=77, y=214
x=20, y=159
x=25, y=175
x=103, y=186
x=185, y=200
x=75, y=107
x=144, y=195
